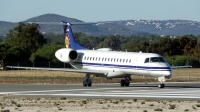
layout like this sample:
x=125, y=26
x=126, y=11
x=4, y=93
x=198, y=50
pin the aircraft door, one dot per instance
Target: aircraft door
x=146, y=66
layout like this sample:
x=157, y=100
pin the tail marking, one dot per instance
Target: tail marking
x=67, y=41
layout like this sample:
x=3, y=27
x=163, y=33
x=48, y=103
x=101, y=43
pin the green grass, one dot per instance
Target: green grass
x=84, y=101
x=198, y=105
x=18, y=105
x=186, y=110
x=71, y=101
x=63, y=98
x=135, y=100
x=13, y=102
x=158, y=109
x=116, y=102
x=172, y=106
x=151, y=104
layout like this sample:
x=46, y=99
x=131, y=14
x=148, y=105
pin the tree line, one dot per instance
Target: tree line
x=25, y=43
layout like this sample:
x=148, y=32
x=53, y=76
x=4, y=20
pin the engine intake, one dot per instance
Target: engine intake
x=66, y=55
x=73, y=55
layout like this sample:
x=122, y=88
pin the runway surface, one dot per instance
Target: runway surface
x=172, y=91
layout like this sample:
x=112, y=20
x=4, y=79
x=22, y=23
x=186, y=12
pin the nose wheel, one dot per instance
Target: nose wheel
x=161, y=85
x=161, y=80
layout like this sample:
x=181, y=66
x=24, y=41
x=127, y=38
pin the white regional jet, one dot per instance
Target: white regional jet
x=106, y=63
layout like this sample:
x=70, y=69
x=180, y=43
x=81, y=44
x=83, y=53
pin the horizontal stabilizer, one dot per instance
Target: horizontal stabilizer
x=63, y=23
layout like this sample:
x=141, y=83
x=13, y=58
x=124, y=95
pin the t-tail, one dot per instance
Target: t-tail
x=69, y=38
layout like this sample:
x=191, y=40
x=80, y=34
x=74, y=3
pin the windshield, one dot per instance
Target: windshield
x=154, y=60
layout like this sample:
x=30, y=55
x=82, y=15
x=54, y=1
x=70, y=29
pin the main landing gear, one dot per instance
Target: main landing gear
x=125, y=81
x=161, y=80
x=87, y=81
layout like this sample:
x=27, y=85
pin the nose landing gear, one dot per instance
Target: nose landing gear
x=161, y=80
x=161, y=85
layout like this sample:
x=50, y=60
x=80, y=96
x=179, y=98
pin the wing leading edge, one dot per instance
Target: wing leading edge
x=61, y=69
x=177, y=67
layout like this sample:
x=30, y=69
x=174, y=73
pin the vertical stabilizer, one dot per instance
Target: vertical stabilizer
x=69, y=38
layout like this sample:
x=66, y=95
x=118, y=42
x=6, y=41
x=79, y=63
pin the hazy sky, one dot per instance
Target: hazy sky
x=101, y=10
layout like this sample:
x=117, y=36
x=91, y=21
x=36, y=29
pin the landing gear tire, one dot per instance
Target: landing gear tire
x=84, y=84
x=126, y=81
x=87, y=81
x=122, y=83
x=161, y=85
x=90, y=84
x=127, y=84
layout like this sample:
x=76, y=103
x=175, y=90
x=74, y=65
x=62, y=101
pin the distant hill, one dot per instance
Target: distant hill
x=96, y=30
x=5, y=27
x=124, y=28
x=164, y=27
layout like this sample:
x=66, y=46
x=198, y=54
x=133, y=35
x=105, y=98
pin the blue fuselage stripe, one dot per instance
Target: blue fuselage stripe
x=123, y=66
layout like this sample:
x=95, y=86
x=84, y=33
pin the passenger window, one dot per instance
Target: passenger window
x=146, y=60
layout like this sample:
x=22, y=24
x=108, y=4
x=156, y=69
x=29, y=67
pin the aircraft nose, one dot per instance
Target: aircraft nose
x=169, y=72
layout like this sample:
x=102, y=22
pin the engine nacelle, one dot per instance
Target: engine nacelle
x=66, y=55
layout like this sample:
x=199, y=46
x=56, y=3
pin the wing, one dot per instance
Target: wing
x=177, y=67
x=61, y=69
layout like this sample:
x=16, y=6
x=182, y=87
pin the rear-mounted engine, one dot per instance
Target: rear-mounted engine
x=66, y=55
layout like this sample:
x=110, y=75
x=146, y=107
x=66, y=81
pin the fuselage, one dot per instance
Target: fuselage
x=125, y=63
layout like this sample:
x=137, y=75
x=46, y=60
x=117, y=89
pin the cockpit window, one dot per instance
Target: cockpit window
x=156, y=59
x=162, y=59
x=146, y=60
